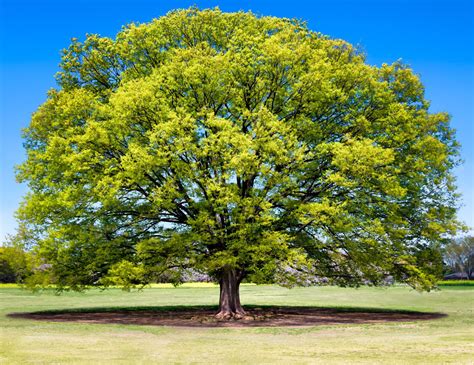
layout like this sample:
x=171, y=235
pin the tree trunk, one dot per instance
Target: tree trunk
x=229, y=300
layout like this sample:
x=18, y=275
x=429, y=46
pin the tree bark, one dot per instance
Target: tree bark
x=229, y=300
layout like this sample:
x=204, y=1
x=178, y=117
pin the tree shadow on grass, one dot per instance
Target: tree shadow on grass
x=203, y=316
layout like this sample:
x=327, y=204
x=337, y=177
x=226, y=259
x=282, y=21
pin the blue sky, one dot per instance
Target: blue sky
x=436, y=38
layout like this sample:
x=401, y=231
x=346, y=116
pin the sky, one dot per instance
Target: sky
x=434, y=37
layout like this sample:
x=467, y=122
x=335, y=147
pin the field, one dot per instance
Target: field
x=446, y=340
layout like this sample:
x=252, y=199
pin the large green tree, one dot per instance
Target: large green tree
x=240, y=146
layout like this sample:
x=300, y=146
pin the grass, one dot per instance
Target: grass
x=456, y=283
x=443, y=341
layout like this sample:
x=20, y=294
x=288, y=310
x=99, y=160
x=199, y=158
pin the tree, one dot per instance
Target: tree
x=459, y=255
x=240, y=146
x=15, y=263
x=7, y=271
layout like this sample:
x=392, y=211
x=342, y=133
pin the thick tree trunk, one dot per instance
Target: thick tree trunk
x=229, y=300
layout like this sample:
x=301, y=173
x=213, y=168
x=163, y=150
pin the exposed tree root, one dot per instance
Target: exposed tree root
x=230, y=315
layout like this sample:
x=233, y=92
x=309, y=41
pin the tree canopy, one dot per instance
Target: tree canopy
x=459, y=256
x=244, y=147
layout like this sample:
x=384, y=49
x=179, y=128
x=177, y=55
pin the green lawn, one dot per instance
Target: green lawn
x=446, y=340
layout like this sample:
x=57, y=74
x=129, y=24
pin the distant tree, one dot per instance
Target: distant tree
x=459, y=255
x=15, y=264
x=244, y=147
x=7, y=272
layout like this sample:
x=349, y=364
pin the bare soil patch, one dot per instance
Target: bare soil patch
x=256, y=317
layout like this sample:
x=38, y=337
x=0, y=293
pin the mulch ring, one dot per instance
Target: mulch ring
x=256, y=317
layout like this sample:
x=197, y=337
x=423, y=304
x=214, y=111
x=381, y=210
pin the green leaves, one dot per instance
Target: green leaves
x=208, y=140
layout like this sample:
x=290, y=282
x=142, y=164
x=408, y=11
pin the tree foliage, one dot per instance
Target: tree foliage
x=459, y=255
x=16, y=264
x=229, y=142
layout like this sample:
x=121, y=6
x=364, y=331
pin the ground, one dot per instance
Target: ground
x=448, y=339
x=205, y=316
